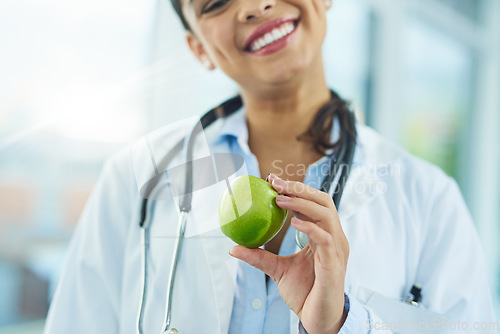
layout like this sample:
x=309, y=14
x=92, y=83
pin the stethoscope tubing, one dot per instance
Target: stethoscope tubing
x=185, y=208
x=181, y=229
x=146, y=211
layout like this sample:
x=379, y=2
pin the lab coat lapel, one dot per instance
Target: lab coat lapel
x=219, y=274
x=364, y=183
x=222, y=267
x=362, y=187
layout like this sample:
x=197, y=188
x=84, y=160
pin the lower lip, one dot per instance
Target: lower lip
x=276, y=46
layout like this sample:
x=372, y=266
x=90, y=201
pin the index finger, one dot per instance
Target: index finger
x=299, y=189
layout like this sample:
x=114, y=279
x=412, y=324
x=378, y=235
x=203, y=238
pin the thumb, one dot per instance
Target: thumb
x=258, y=258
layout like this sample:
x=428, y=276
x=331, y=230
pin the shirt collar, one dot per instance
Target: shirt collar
x=235, y=126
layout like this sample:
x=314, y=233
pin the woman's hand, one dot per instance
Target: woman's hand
x=310, y=282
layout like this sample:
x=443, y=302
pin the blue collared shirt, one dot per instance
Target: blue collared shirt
x=258, y=306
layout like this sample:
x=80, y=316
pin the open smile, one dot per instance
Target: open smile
x=271, y=37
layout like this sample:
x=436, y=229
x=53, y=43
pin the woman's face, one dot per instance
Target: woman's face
x=257, y=41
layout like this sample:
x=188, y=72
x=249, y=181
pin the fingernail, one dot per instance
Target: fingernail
x=282, y=198
x=296, y=221
x=269, y=177
x=278, y=182
x=230, y=252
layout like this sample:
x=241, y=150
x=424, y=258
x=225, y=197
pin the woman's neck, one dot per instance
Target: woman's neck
x=281, y=120
x=275, y=119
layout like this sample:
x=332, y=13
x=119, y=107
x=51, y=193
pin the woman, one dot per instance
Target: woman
x=414, y=228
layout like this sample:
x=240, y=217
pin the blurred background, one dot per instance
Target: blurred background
x=79, y=80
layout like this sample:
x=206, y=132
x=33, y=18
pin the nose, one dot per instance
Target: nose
x=254, y=9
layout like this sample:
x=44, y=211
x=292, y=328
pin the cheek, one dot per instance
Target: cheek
x=316, y=17
x=219, y=41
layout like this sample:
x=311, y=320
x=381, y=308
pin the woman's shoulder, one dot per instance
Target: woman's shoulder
x=139, y=161
x=381, y=153
x=417, y=185
x=423, y=193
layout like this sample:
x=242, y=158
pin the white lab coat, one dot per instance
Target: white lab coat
x=405, y=221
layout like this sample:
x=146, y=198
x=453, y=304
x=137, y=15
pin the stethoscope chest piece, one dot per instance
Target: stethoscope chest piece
x=301, y=239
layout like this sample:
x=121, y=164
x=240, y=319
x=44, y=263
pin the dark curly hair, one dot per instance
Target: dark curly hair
x=318, y=133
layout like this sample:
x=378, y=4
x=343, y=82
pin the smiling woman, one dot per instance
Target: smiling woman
x=220, y=35
x=224, y=36
x=390, y=245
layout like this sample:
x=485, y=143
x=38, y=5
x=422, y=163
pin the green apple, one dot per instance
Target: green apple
x=248, y=213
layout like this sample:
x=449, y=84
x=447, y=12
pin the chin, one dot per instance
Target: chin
x=285, y=72
x=280, y=78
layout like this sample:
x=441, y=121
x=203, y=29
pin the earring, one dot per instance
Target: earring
x=328, y=3
x=207, y=63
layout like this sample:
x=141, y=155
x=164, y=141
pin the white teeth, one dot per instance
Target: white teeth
x=273, y=36
x=277, y=34
x=268, y=38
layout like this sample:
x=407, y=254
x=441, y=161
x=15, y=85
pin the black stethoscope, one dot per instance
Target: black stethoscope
x=339, y=168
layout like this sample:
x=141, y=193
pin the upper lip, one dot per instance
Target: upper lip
x=265, y=28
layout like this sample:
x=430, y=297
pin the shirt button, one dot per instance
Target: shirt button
x=257, y=303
